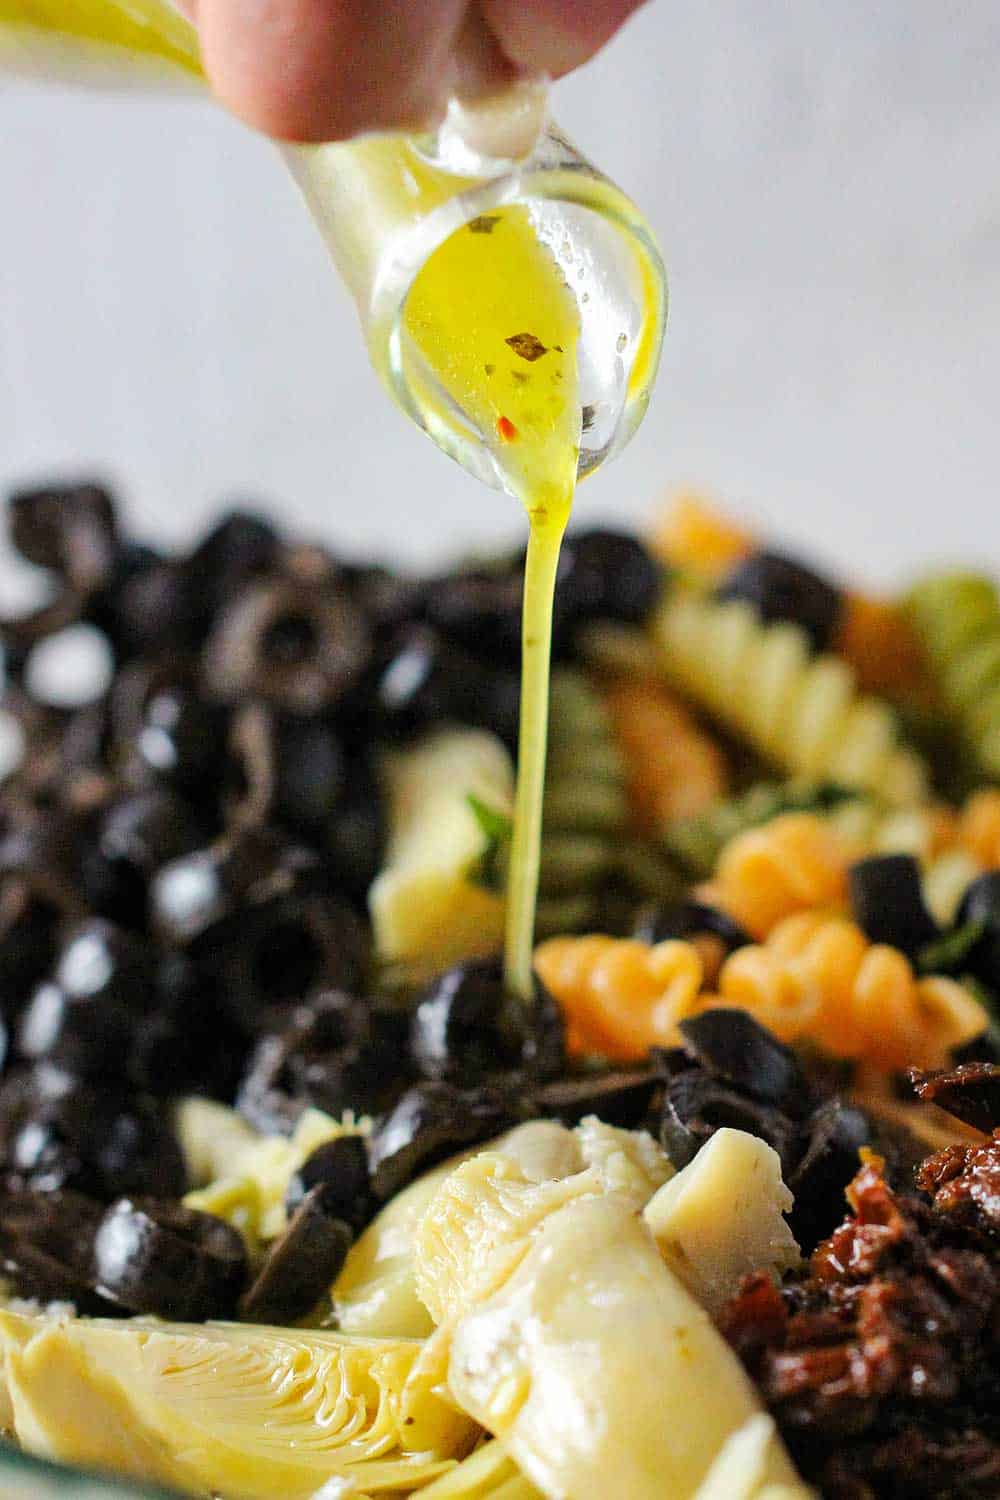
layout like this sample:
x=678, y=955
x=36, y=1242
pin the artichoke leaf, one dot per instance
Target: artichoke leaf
x=229, y=1409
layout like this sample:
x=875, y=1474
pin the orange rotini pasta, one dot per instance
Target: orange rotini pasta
x=620, y=996
x=673, y=769
x=694, y=535
x=818, y=979
x=979, y=827
x=791, y=864
x=876, y=637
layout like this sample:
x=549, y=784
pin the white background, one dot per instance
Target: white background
x=825, y=176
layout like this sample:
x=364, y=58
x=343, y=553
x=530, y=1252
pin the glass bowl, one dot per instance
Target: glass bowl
x=25, y=1478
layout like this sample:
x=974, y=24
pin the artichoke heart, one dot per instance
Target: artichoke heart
x=564, y=1333
x=723, y=1217
x=428, y=905
x=229, y=1410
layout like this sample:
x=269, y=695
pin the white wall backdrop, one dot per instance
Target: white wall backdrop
x=826, y=181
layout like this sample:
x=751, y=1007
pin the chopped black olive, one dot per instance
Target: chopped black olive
x=608, y=575
x=468, y=1027
x=151, y=1256
x=338, y=1172
x=300, y=1267
x=336, y=1053
x=888, y=902
x=779, y=588
x=686, y=919
x=736, y=1048
x=431, y=1122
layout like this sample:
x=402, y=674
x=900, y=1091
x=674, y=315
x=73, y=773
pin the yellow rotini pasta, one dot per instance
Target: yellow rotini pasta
x=620, y=996
x=674, y=770
x=801, y=711
x=818, y=979
x=794, y=863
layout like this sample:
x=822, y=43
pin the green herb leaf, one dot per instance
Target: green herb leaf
x=947, y=954
x=498, y=830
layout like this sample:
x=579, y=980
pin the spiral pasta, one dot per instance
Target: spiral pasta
x=620, y=996
x=674, y=769
x=878, y=641
x=957, y=616
x=695, y=535
x=697, y=842
x=586, y=806
x=818, y=979
x=802, y=712
x=792, y=864
x=978, y=829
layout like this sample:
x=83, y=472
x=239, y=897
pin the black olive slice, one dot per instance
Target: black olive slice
x=160, y=1257
x=733, y=1046
x=300, y=1267
x=779, y=588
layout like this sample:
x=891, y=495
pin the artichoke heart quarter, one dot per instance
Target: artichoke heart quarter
x=565, y=1334
x=229, y=1410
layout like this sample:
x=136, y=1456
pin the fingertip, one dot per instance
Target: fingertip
x=555, y=36
x=311, y=70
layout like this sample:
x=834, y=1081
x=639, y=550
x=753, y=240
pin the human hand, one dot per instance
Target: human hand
x=313, y=70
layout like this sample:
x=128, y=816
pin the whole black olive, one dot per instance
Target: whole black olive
x=888, y=902
x=431, y=1122
x=300, y=1267
x=779, y=588
x=151, y=1256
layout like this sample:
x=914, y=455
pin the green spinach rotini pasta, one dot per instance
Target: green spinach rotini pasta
x=586, y=806
x=957, y=616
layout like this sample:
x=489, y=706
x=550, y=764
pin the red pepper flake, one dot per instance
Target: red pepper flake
x=506, y=431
